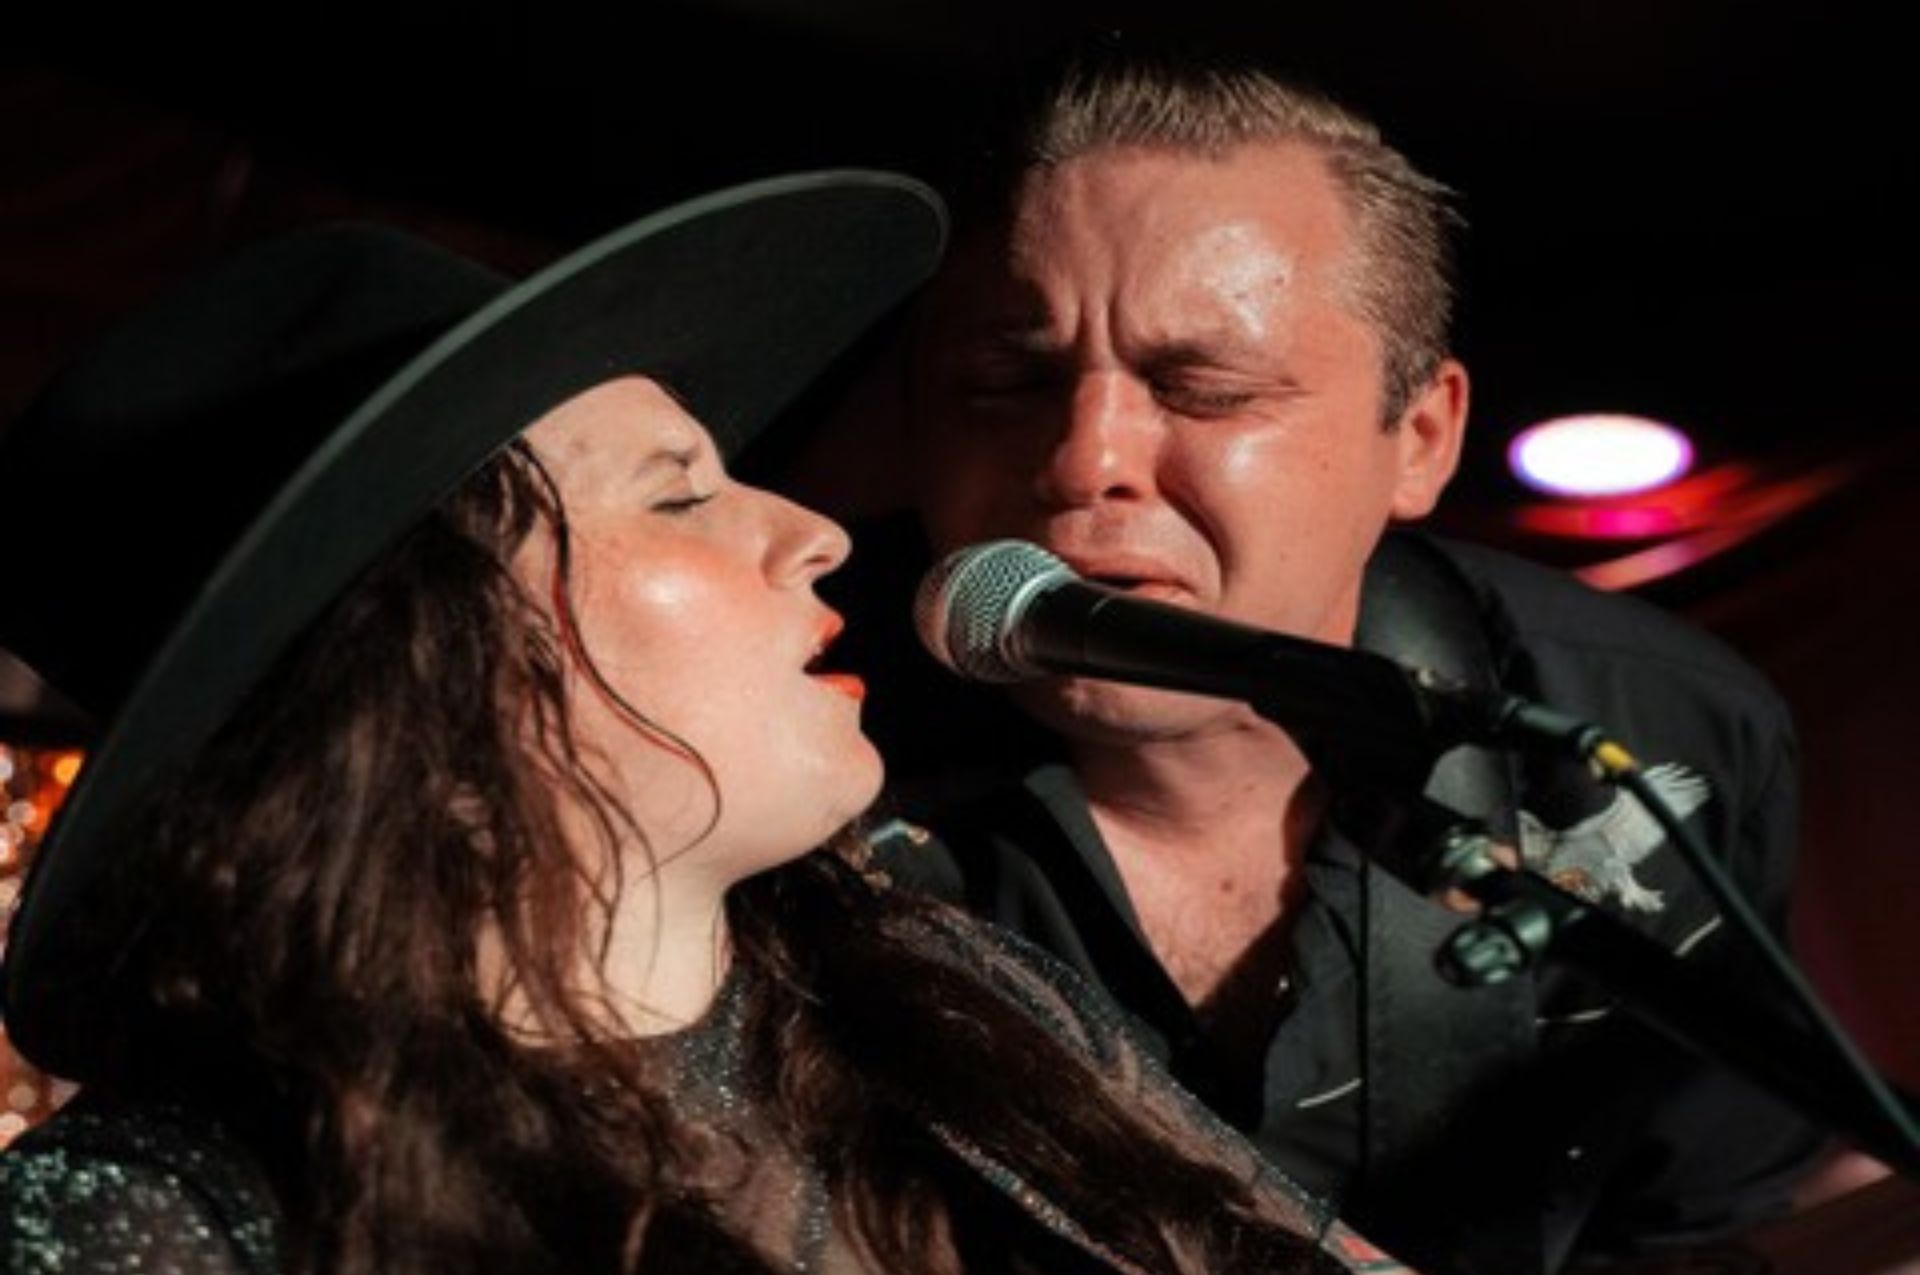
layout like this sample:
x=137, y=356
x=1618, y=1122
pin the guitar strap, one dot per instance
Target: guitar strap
x=1431, y=1047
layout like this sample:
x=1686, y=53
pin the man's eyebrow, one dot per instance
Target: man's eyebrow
x=1016, y=332
x=1200, y=349
x=1022, y=338
x=1032, y=336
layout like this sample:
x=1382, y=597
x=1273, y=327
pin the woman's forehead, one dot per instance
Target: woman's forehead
x=623, y=421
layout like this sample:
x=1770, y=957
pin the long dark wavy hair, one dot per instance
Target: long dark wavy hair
x=328, y=894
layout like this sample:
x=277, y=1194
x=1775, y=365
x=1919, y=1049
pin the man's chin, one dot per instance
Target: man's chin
x=1111, y=713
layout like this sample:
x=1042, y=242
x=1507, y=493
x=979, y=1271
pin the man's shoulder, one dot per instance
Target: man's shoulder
x=1543, y=603
x=989, y=823
x=1547, y=621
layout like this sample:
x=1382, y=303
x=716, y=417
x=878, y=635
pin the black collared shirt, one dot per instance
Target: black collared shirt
x=1492, y=1130
x=1035, y=862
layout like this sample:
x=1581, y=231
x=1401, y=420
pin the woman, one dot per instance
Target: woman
x=440, y=898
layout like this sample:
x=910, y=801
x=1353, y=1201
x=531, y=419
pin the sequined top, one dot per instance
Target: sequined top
x=779, y=1201
x=102, y=1189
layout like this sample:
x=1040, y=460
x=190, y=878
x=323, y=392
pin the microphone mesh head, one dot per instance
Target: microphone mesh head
x=971, y=601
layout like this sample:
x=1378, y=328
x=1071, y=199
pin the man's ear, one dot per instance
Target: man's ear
x=1429, y=433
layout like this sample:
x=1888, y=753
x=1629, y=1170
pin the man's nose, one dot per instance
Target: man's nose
x=1106, y=446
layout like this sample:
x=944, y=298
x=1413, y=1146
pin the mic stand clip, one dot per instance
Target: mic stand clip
x=1525, y=918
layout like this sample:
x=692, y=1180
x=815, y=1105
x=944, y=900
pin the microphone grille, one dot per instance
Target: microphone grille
x=970, y=602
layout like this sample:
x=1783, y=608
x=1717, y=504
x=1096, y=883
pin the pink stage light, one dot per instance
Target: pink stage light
x=1599, y=454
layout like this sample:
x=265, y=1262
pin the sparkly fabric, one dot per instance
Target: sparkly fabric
x=778, y=1201
x=769, y=1195
x=155, y=1191
x=99, y=1191
x=1059, y=1002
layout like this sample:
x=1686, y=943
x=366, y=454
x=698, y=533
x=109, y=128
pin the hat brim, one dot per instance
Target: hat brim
x=737, y=301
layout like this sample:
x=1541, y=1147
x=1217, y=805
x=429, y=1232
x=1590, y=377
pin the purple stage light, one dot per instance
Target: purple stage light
x=1599, y=454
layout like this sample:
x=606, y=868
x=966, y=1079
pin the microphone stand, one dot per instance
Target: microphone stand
x=1526, y=919
x=1374, y=729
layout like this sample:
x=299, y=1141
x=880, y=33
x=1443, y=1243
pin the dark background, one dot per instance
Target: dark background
x=1698, y=210
x=1701, y=211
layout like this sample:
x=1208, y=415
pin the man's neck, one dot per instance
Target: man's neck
x=1181, y=792
x=1207, y=834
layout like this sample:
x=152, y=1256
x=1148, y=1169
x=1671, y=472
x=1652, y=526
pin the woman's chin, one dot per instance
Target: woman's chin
x=866, y=775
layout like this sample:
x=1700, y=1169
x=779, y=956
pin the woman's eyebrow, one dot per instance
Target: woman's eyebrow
x=681, y=457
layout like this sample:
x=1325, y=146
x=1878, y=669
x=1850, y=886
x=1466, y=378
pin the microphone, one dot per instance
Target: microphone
x=1009, y=611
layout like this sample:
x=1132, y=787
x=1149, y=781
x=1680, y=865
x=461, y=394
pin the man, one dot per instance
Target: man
x=1192, y=339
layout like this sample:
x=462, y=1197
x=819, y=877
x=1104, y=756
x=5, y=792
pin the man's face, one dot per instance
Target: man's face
x=1156, y=373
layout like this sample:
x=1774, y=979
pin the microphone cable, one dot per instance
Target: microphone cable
x=1614, y=764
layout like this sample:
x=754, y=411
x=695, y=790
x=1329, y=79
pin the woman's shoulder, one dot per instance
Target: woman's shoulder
x=1018, y=971
x=108, y=1186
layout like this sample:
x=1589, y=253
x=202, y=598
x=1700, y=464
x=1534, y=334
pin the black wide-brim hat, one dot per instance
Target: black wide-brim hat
x=224, y=464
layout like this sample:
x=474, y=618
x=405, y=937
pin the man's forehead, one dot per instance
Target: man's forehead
x=1226, y=286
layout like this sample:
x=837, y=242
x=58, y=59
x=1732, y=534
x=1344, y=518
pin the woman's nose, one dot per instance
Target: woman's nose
x=806, y=544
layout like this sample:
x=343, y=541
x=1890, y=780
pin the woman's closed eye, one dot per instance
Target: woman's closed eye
x=681, y=482
x=682, y=503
